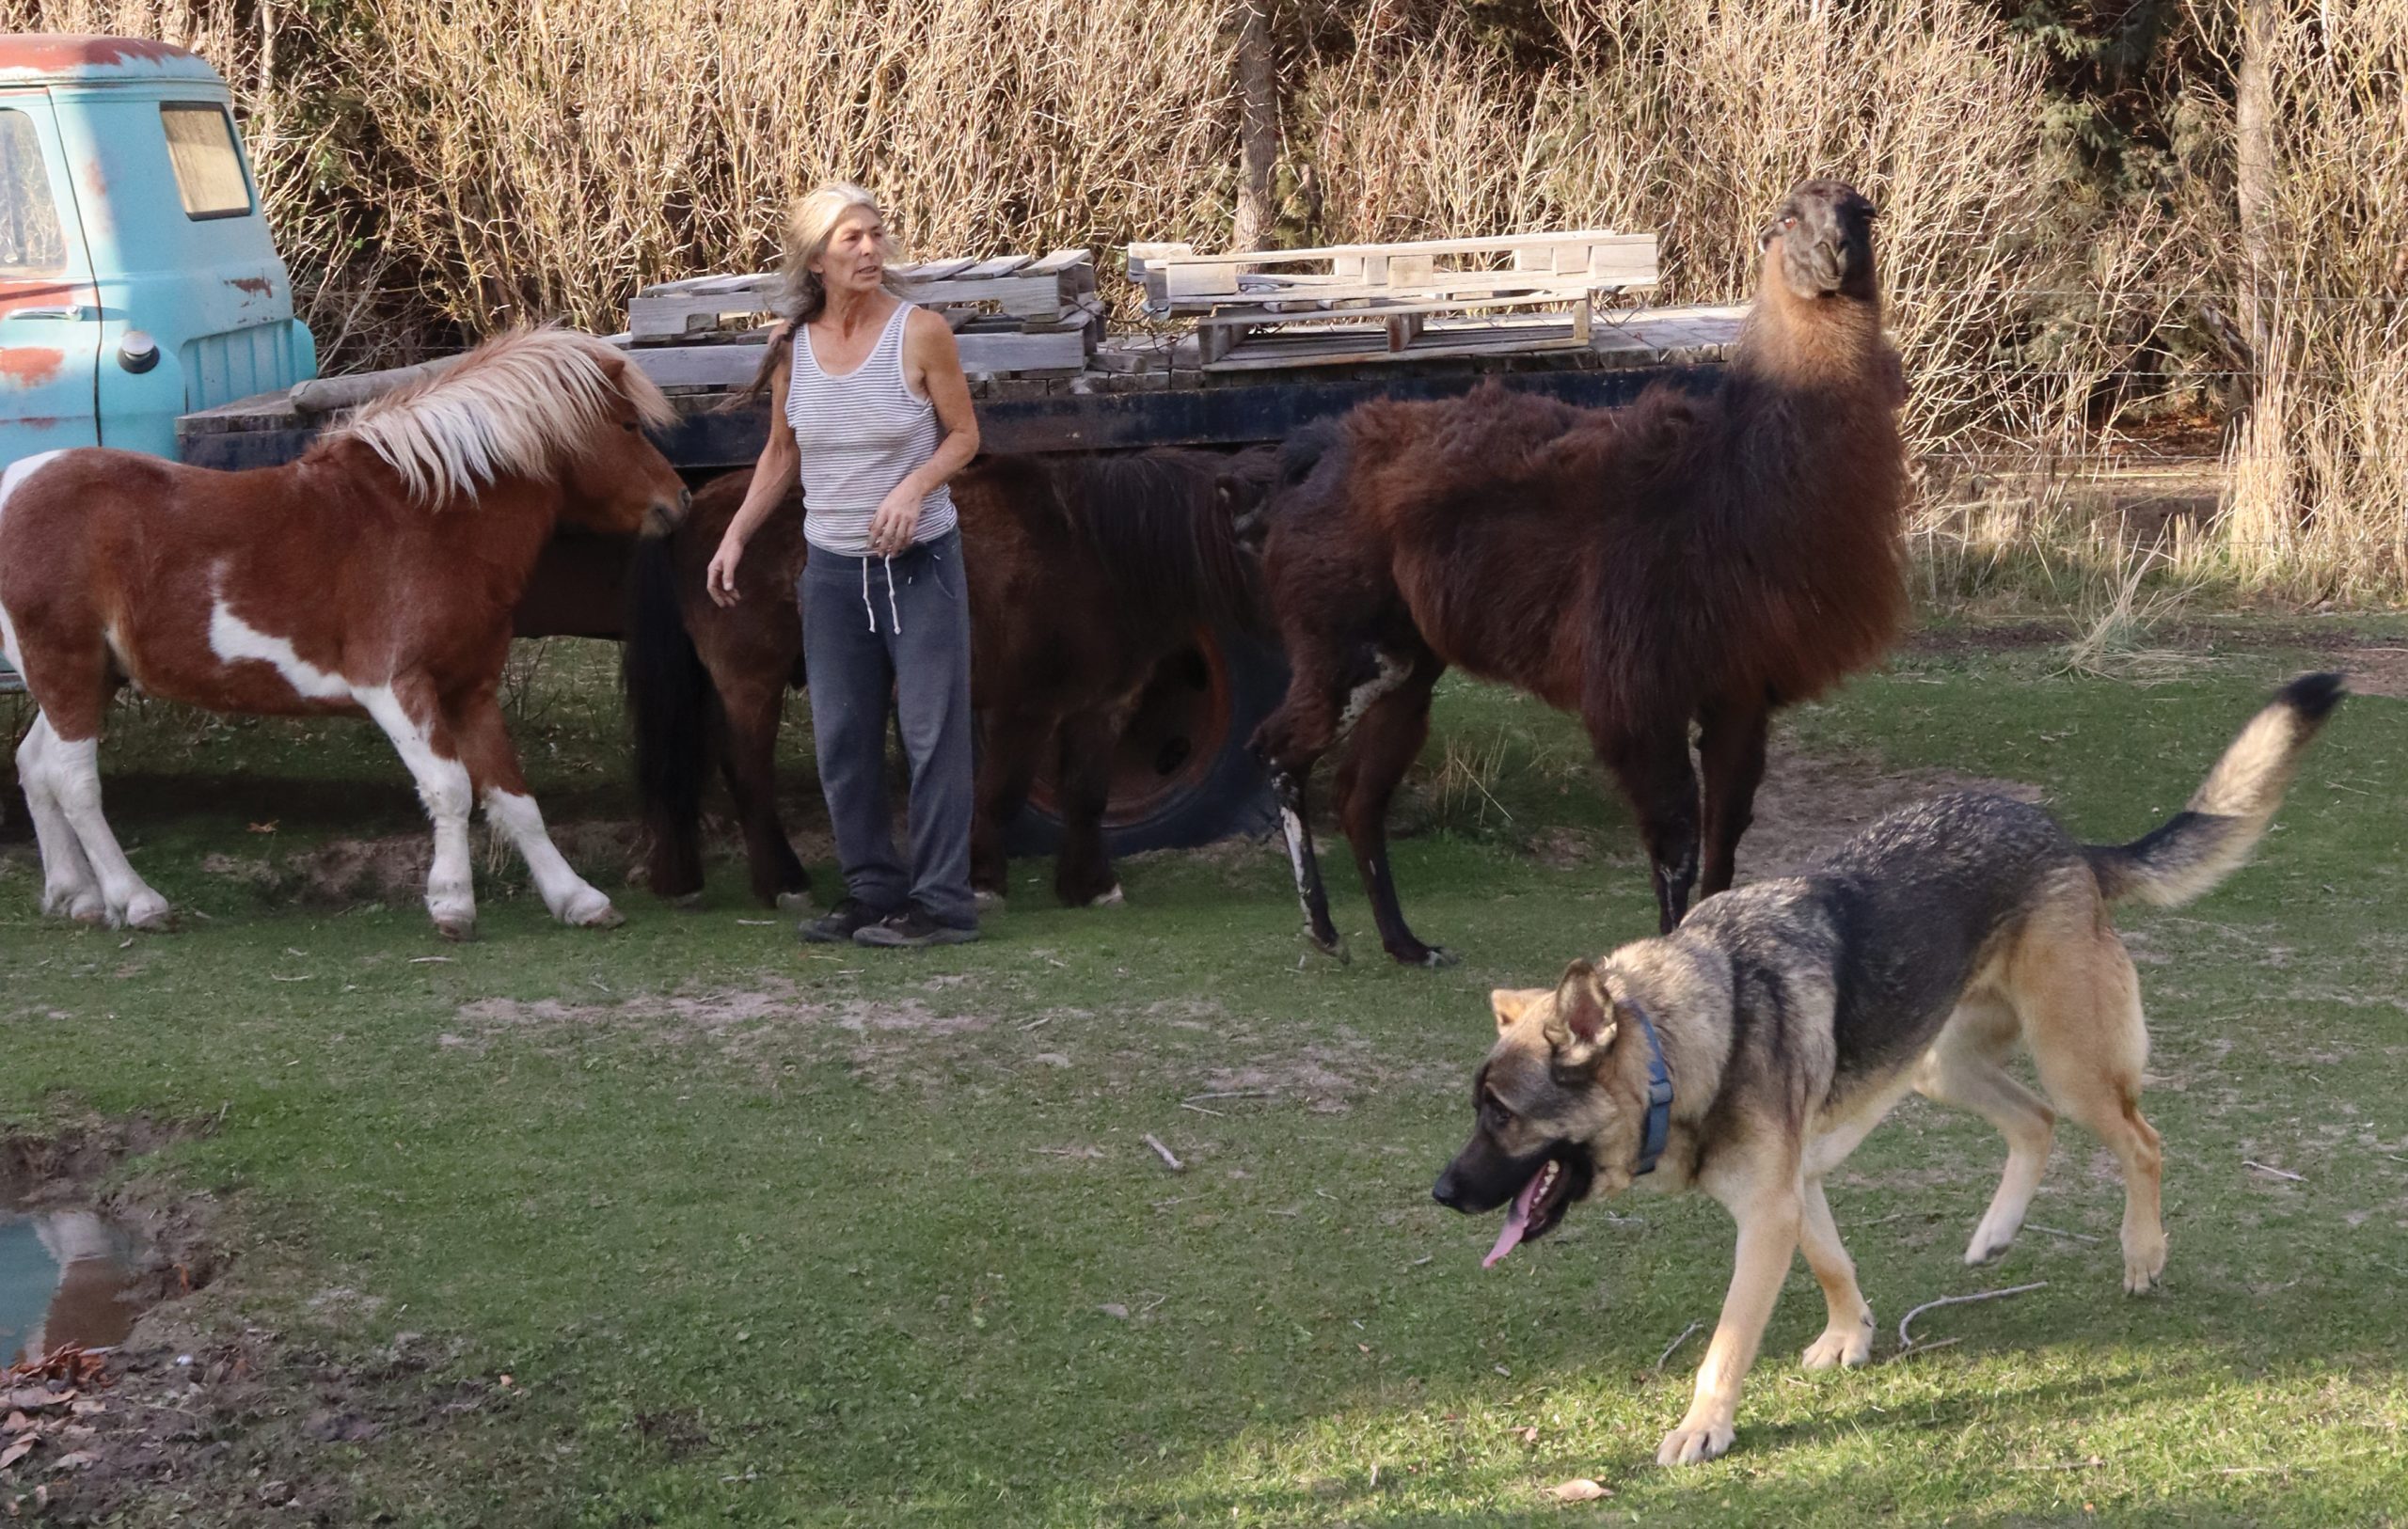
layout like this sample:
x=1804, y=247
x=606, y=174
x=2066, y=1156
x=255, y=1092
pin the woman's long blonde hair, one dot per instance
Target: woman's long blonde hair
x=811, y=223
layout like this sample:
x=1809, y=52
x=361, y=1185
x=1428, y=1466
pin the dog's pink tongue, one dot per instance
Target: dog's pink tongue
x=1517, y=1221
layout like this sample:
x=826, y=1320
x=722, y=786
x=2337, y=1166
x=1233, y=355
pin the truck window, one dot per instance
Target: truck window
x=31, y=243
x=209, y=164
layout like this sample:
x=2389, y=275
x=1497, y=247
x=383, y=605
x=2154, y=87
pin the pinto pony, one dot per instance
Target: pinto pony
x=1680, y=560
x=372, y=576
x=1084, y=573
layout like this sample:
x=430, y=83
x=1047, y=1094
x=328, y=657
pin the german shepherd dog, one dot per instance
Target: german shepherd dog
x=1755, y=1046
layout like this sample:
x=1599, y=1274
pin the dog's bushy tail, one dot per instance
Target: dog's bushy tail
x=2210, y=839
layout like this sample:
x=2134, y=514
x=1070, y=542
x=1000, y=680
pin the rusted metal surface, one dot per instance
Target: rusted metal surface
x=26, y=57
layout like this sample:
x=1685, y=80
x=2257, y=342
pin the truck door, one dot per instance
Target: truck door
x=49, y=309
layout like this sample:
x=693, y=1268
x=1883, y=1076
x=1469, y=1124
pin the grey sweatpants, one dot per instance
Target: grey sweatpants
x=871, y=629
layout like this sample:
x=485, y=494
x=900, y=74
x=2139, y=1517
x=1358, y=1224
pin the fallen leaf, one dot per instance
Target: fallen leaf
x=33, y=1399
x=17, y=1451
x=17, y=1422
x=1530, y=1436
x=1116, y=1311
x=1582, y=1491
x=268, y=827
x=76, y=1461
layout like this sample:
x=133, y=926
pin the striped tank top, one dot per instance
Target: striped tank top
x=860, y=434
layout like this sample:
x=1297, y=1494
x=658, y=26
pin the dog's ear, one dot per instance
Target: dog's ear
x=1584, y=1023
x=1512, y=1003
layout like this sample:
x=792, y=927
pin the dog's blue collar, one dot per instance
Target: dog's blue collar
x=1657, y=1131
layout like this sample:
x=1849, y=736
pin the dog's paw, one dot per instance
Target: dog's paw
x=2144, y=1267
x=1841, y=1347
x=1692, y=1446
x=1991, y=1239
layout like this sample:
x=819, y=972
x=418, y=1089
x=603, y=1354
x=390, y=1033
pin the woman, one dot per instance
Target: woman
x=879, y=421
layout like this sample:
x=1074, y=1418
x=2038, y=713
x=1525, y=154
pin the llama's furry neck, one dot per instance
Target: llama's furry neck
x=1820, y=343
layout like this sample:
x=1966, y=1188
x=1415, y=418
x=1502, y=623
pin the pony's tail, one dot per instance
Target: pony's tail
x=674, y=708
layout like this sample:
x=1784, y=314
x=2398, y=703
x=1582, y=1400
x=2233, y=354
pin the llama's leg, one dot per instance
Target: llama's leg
x=753, y=705
x=69, y=887
x=1654, y=772
x=1387, y=739
x=1295, y=821
x=1083, y=874
x=1730, y=752
x=413, y=720
x=1007, y=759
x=493, y=770
x=1289, y=741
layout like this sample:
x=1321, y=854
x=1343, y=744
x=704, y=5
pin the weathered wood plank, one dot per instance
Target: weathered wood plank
x=1467, y=305
x=1059, y=261
x=732, y=365
x=1000, y=265
x=1621, y=264
x=1486, y=244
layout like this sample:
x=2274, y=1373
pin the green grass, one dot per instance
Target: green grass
x=770, y=1237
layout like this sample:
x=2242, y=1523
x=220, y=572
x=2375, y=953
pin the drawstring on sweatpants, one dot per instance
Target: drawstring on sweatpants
x=891, y=610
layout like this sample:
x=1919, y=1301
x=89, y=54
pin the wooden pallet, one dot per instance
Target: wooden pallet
x=1049, y=291
x=1437, y=298
x=732, y=364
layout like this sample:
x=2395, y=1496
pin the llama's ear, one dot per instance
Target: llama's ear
x=1583, y=1024
x=1512, y=1003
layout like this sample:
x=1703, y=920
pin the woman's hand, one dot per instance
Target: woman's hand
x=718, y=580
x=897, y=517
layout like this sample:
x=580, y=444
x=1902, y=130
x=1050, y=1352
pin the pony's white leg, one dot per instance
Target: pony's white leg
x=572, y=899
x=69, y=886
x=443, y=786
x=75, y=779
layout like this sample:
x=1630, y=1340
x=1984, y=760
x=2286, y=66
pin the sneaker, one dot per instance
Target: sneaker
x=839, y=923
x=912, y=928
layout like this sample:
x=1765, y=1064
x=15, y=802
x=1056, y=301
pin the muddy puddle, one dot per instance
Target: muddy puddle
x=66, y=1277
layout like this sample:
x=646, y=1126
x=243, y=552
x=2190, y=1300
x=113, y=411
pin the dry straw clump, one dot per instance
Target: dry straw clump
x=2319, y=491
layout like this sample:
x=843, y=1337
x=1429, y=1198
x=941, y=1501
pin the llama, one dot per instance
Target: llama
x=1682, y=559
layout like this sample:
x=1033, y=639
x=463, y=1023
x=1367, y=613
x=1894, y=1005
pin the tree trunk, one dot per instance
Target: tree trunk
x=2255, y=131
x=1257, y=125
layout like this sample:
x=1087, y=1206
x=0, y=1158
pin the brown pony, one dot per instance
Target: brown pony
x=1084, y=573
x=1685, y=557
x=372, y=576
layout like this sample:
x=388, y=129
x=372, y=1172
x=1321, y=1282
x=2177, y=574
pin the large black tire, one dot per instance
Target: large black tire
x=1182, y=775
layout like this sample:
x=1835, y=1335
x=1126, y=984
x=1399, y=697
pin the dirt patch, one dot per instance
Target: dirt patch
x=1807, y=804
x=344, y=873
x=2378, y=671
x=241, y=1425
x=880, y=1037
x=199, y=1414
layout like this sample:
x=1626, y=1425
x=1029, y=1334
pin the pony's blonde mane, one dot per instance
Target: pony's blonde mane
x=519, y=405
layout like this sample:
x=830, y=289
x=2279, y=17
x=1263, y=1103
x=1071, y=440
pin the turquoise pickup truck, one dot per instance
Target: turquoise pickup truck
x=137, y=279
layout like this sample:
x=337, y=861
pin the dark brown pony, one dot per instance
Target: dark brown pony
x=373, y=576
x=1084, y=573
x=1683, y=559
